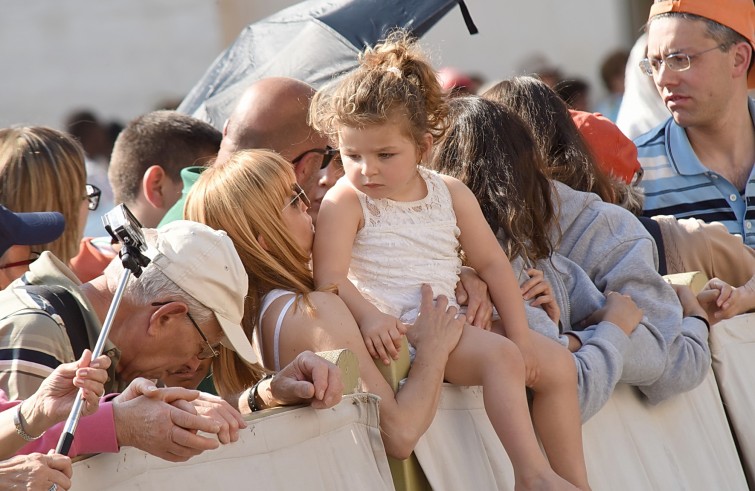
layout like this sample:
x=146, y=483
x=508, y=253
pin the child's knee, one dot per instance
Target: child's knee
x=503, y=353
x=559, y=367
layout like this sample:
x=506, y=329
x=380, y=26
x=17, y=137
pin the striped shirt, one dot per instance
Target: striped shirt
x=677, y=183
x=32, y=341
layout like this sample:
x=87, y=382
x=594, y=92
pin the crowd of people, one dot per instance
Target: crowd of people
x=515, y=242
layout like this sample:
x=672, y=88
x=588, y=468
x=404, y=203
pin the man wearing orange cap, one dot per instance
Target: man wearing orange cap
x=699, y=163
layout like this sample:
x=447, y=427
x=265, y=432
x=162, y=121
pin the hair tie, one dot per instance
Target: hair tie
x=394, y=70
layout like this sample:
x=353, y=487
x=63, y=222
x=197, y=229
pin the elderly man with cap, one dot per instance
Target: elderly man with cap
x=186, y=302
x=699, y=163
x=19, y=231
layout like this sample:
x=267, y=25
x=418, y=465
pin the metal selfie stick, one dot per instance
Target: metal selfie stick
x=124, y=228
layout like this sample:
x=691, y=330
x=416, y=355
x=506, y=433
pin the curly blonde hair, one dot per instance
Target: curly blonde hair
x=393, y=78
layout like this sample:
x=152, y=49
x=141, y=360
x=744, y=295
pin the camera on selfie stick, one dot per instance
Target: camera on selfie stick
x=126, y=230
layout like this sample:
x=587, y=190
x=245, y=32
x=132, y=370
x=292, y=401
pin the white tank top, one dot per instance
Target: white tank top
x=267, y=300
x=405, y=244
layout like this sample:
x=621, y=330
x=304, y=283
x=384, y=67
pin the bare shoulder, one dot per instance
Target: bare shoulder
x=451, y=181
x=340, y=203
x=460, y=193
x=341, y=192
x=330, y=322
x=325, y=306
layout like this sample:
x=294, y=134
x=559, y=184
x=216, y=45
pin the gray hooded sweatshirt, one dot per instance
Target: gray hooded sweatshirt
x=605, y=248
x=600, y=360
x=618, y=254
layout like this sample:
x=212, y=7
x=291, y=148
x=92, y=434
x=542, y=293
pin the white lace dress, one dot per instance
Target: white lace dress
x=405, y=244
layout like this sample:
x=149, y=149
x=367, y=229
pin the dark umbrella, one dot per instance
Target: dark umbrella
x=313, y=41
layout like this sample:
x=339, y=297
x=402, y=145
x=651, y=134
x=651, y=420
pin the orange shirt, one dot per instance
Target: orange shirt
x=95, y=253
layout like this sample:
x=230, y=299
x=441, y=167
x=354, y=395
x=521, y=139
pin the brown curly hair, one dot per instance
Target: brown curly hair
x=491, y=150
x=566, y=155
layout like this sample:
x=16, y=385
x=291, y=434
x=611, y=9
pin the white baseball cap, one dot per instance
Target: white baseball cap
x=204, y=263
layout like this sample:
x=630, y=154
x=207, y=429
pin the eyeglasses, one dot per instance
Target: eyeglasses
x=299, y=194
x=677, y=62
x=93, y=195
x=327, y=155
x=209, y=351
x=33, y=257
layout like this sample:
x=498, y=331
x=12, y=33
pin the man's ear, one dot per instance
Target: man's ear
x=152, y=185
x=166, y=316
x=743, y=53
x=308, y=165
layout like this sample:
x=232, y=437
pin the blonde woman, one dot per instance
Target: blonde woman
x=254, y=197
x=42, y=169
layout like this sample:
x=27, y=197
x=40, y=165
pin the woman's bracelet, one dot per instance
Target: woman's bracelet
x=254, y=393
x=18, y=421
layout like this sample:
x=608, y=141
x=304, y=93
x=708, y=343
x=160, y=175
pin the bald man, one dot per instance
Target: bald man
x=272, y=113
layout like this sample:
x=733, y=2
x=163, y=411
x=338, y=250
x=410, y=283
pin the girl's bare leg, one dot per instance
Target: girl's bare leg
x=555, y=411
x=493, y=361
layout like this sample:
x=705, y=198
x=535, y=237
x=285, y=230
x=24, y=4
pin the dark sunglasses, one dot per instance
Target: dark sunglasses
x=327, y=155
x=93, y=195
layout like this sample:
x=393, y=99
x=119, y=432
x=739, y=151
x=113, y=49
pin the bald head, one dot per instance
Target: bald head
x=272, y=113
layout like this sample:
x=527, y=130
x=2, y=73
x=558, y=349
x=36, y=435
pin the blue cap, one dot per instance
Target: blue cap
x=29, y=228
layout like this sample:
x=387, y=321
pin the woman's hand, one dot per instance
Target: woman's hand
x=531, y=364
x=619, y=310
x=538, y=291
x=438, y=327
x=53, y=401
x=723, y=301
x=473, y=293
x=36, y=472
x=622, y=311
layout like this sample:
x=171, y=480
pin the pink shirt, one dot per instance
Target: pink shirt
x=94, y=434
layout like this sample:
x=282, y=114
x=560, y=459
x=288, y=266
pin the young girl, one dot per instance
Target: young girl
x=391, y=225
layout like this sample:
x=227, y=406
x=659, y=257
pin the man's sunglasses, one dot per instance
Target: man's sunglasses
x=327, y=155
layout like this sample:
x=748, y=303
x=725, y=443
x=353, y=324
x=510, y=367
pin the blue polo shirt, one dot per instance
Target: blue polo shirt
x=677, y=183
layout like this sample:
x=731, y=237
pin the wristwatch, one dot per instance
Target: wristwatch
x=254, y=393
